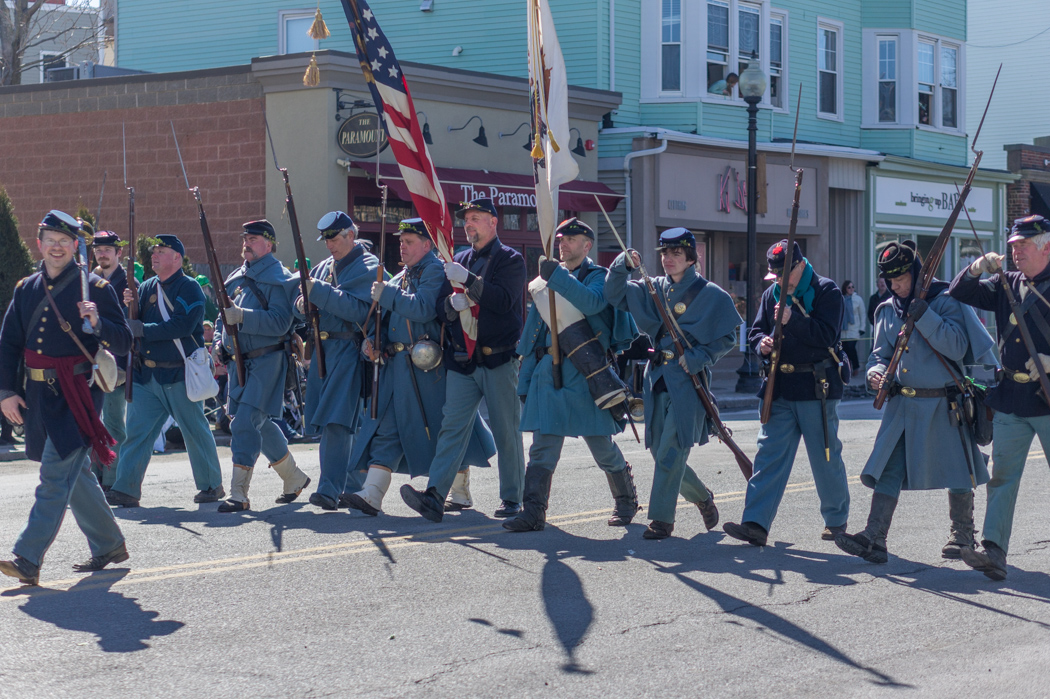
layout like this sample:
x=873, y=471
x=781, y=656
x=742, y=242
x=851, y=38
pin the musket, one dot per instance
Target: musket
x=376, y=348
x=85, y=288
x=724, y=433
x=313, y=316
x=133, y=307
x=789, y=258
x=933, y=259
x=213, y=263
x=98, y=211
x=555, y=344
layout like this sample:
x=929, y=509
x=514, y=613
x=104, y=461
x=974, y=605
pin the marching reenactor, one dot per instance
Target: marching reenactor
x=675, y=420
x=62, y=398
x=493, y=276
x=1021, y=410
x=805, y=401
x=412, y=379
x=339, y=288
x=106, y=245
x=261, y=291
x=171, y=310
x=552, y=414
x=924, y=441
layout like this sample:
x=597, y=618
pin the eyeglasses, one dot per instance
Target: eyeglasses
x=64, y=243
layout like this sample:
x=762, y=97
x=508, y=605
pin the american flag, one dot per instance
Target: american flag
x=394, y=102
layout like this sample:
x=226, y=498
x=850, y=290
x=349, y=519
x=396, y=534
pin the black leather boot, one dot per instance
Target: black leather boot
x=870, y=544
x=533, y=516
x=625, y=495
x=960, y=509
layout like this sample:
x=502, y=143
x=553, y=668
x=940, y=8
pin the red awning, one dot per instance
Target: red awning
x=503, y=188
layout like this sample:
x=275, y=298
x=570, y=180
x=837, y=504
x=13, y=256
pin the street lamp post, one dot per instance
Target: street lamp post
x=752, y=87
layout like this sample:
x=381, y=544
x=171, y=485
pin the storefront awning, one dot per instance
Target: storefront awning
x=504, y=188
x=1040, y=198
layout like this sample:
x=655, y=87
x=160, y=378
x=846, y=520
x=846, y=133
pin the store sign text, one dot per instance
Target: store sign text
x=498, y=196
x=895, y=196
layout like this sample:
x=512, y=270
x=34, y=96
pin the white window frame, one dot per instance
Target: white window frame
x=44, y=55
x=776, y=17
x=879, y=38
x=282, y=27
x=940, y=87
x=681, y=51
x=933, y=116
x=830, y=25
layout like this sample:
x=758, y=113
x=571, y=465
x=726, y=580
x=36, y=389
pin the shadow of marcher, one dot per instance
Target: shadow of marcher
x=568, y=609
x=118, y=622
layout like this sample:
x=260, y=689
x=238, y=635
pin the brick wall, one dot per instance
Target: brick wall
x=58, y=140
x=1018, y=200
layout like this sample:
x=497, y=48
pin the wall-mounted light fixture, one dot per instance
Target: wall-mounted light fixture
x=426, y=129
x=578, y=149
x=528, y=143
x=480, y=139
x=343, y=105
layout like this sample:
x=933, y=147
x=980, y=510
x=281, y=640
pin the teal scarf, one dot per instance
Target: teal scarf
x=804, y=290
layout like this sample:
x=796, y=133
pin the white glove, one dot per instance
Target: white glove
x=1030, y=366
x=300, y=305
x=459, y=302
x=377, y=290
x=234, y=315
x=456, y=272
x=682, y=362
x=990, y=263
x=309, y=286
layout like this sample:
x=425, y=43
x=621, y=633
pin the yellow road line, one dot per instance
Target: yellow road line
x=272, y=558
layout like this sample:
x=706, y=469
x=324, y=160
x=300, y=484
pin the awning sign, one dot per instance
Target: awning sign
x=901, y=197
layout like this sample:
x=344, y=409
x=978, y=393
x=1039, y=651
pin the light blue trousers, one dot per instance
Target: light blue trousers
x=463, y=394
x=337, y=441
x=67, y=482
x=546, y=450
x=255, y=433
x=151, y=405
x=672, y=475
x=1013, y=439
x=778, y=440
x=114, y=409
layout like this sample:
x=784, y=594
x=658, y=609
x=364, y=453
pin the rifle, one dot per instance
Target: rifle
x=724, y=433
x=933, y=261
x=133, y=307
x=379, y=312
x=789, y=253
x=313, y=316
x=213, y=263
x=98, y=210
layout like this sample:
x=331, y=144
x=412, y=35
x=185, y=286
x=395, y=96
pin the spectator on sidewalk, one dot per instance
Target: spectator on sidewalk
x=853, y=325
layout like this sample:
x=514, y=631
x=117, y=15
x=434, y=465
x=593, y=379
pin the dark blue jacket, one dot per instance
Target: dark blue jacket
x=502, y=284
x=48, y=415
x=805, y=340
x=119, y=282
x=987, y=294
x=185, y=313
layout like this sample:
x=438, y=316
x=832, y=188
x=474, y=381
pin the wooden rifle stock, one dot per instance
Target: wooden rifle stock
x=220, y=286
x=778, y=327
x=710, y=408
x=313, y=317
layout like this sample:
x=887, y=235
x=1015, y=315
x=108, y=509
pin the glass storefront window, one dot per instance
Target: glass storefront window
x=532, y=221
x=511, y=218
x=369, y=210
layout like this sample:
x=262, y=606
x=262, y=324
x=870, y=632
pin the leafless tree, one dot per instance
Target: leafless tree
x=26, y=24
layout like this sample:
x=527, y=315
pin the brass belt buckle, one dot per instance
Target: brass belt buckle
x=907, y=391
x=787, y=368
x=324, y=335
x=486, y=351
x=150, y=363
x=668, y=355
x=399, y=346
x=1021, y=377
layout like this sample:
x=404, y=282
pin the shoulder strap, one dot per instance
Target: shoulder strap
x=39, y=310
x=164, y=304
x=250, y=283
x=687, y=298
x=67, y=327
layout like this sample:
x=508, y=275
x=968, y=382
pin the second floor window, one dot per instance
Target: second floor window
x=671, y=46
x=937, y=71
x=829, y=68
x=294, y=26
x=776, y=61
x=718, y=47
x=888, y=80
x=949, y=88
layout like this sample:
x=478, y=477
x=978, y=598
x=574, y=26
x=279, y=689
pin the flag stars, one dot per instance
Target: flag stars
x=376, y=65
x=393, y=72
x=368, y=14
x=382, y=52
x=373, y=33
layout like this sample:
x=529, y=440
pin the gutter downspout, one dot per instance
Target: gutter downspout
x=627, y=181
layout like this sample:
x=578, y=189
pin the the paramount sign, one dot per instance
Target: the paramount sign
x=499, y=197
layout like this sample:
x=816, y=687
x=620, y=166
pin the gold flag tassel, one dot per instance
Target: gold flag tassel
x=319, y=30
x=312, y=77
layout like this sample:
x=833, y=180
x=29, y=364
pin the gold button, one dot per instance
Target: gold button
x=46, y=308
x=41, y=330
x=40, y=339
x=43, y=320
x=39, y=351
x=904, y=371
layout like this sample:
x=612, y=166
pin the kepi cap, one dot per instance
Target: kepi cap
x=413, y=225
x=480, y=204
x=62, y=222
x=1028, y=227
x=775, y=258
x=677, y=238
x=573, y=226
x=895, y=259
x=334, y=223
x=167, y=240
x=262, y=227
x=107, y=238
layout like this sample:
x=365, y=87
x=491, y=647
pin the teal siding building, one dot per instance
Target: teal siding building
x=882, y=118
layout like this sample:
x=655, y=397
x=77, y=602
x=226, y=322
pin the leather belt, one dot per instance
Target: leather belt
x=163, y=365
x=348, y=335
x=1017, y=376
x=254, y=354
x=51, y=374
x=909, y=392
x=494, y=350
x=795, y=368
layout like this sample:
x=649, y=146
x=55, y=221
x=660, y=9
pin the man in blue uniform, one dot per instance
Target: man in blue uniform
x=924, y=441
x=62, y=409
x=106, y=246
x=1021, y=411
x=493, y=276
x=675, y=420
x=171, y=310
x=412, y=379
x=805, y=398
x=570, y=411
x=339, y=287
x=262, y=291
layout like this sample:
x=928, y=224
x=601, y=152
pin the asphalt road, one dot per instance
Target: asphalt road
x=291, y=601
